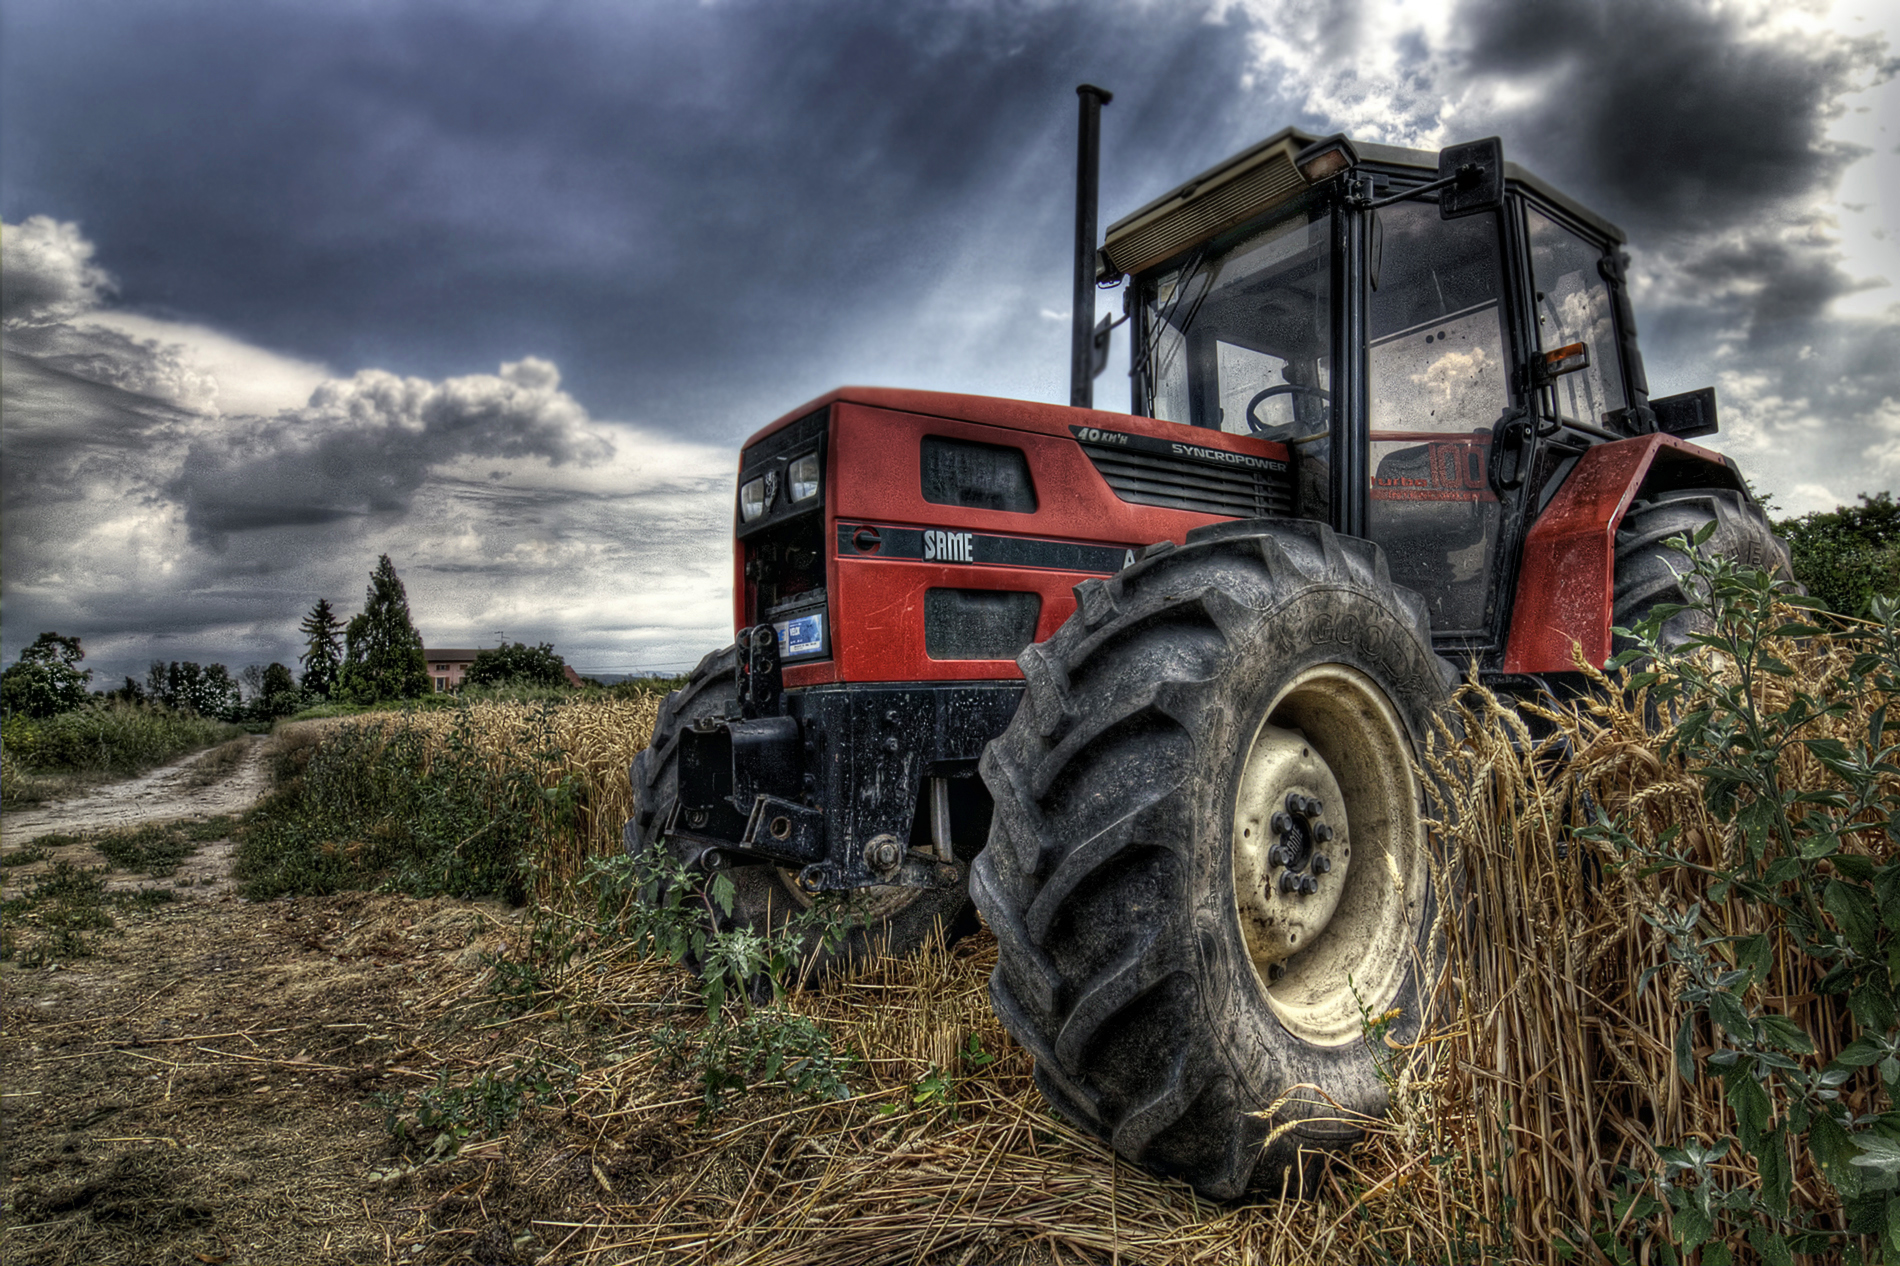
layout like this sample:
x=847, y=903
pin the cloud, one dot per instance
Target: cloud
x=145, y=519
x=365, y=444
x=1704, y=128
x=49, y=273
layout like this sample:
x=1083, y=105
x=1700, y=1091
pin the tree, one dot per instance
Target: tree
x=382, y=652
x=276, y=695
x=1847, y=555
x=323, y=648
x=518, y=664
x=47, y=679
x=188, y=687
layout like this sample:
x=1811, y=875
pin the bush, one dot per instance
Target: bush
x=1848, y=555
x=518, y=664
x=111, y=738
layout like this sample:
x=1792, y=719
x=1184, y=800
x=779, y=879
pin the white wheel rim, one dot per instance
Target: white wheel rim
x=1330, y=961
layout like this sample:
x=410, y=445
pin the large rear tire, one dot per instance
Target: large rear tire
x=1176, y=997
x=765, y=898
x=1648, y=571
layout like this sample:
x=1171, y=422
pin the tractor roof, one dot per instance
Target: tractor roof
x=1260, y=178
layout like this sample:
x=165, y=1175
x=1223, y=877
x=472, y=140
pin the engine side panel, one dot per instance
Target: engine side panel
x=904, y=572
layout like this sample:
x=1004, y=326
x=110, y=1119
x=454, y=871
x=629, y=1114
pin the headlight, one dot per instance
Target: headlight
x=805, y=477
x=751, y=499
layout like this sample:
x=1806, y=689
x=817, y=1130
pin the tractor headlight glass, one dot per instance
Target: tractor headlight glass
x=805, y=477
x=751, y=499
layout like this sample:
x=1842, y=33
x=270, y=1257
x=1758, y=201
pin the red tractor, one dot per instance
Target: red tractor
x=1149, y=688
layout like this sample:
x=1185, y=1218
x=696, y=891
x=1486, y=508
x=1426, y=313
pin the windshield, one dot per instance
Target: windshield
x=1239, y=335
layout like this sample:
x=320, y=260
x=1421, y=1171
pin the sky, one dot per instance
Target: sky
x=499, y=288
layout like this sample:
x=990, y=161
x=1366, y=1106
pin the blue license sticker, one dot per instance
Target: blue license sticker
x=803, y=636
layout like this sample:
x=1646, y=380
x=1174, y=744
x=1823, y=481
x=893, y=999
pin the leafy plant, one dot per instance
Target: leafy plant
x=519, y=662
x=746, y=1038
x=1847, y=555
x=1813, y=881
x=46, y=680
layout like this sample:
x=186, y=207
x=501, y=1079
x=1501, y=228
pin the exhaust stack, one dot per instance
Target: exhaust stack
x=1087, y=178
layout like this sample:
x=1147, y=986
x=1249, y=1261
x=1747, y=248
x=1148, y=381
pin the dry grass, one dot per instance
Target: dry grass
x=1554, y=1068
x=1543, y=1074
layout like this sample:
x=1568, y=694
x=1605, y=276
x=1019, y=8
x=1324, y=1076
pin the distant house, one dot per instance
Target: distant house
x=447, y=668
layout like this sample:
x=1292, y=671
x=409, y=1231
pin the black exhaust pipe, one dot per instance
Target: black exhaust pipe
x=1087, y=177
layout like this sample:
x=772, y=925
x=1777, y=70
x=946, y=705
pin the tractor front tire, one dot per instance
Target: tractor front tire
x=1180, y=1002
x=896, y=921
x=1649, y=572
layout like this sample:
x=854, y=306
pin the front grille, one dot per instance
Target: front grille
x=1181, y=483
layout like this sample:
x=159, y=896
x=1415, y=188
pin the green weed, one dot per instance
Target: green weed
x=1813, y=818
x=155, y=849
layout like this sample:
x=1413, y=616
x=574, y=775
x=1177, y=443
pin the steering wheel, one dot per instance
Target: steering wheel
x=1258, y=427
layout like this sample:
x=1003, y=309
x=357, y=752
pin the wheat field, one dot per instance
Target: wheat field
x=1543, y=1076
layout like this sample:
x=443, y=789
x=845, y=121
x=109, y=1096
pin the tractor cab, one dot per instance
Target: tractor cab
x=1436, y=339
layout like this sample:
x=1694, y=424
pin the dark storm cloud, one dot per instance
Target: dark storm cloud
x=1676, y=116
x=638, y=192
x=1703, y=130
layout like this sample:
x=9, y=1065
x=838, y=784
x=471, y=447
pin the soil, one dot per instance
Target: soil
x=217, y=1079
x=169, y=792
x=201, y=1087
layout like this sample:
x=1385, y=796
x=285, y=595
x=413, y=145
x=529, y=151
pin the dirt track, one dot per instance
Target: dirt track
x=199, y=1086
x=172, y=791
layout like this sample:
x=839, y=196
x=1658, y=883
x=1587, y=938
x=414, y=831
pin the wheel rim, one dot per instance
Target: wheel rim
x=1330, y=953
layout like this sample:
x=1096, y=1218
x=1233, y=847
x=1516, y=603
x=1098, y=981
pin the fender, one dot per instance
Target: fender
x=1568, y=582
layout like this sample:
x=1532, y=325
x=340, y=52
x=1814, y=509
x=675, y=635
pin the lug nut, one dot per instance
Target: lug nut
x=1289, y=882
x=1309, y=886
x=1321, y=863
x=1280, y=824
x=883, y=853
x=1278, y=855
x=1322, y=832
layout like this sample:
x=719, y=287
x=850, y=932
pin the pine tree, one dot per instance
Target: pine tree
x=382, y=652
x=323, y=648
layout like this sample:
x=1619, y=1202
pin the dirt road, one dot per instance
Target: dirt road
x=195, y=1082
x=173, y=791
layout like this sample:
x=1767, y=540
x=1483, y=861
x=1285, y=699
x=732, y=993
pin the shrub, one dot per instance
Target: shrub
x=111, y=738
x=517, y=664
x=1848, y=555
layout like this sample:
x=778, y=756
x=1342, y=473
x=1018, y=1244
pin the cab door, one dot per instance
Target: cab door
x=1439, y=385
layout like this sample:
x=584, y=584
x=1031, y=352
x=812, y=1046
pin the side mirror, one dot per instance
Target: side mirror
x=1474, y=176
x=1690, y=414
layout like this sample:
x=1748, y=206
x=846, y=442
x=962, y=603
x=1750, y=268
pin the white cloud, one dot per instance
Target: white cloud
x=49, y=274
x=175, y=492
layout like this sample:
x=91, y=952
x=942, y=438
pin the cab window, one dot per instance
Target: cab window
x=1437, y=377
x=1573, y=306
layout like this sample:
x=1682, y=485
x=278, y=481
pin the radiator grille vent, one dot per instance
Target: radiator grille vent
x=1178, y=483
